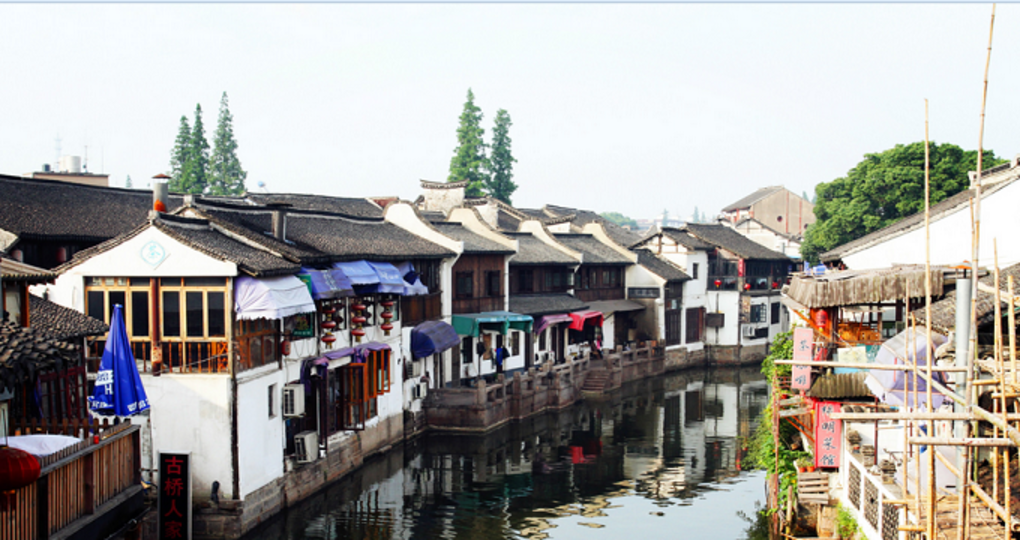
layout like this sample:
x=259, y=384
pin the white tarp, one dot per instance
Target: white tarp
x=41, y=445
x=271, y=298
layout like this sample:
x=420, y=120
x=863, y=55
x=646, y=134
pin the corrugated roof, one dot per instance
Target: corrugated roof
x=660, y=266
x=730, y=240
x=534, y=251
x=595, y=252
x=840, y=386
x=856, y=287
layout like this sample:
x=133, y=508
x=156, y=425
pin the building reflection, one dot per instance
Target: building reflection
x=667, y=440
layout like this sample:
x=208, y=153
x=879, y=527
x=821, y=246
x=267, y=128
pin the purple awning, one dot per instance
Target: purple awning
x=432, y=337
x=545, y=321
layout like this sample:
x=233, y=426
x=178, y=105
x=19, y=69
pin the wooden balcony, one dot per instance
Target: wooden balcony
x=86, y=490
x=417, y=309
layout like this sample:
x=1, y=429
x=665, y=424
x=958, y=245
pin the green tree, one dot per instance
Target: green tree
x=469, y=161
x=500, y=183
x=196, y=170
x=619, y=219
x=179, y=156
x=226, y=177
x=884, y=188
x=127, y=182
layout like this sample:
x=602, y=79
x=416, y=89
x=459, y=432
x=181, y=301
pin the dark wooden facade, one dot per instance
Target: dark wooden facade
x=600, y=282
x=535, y=279
x=478, y=284
x=733, y=273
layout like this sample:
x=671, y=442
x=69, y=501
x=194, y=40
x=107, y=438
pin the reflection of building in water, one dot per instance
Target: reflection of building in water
x=665, y=441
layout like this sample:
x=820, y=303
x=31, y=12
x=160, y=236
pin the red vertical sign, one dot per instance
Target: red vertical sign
x=828, y=435
x=802, y=345
x=174, y=496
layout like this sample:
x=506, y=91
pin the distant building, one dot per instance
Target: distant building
x=70, y=170
x=777, y=207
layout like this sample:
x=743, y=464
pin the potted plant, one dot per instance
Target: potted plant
x=804, y=464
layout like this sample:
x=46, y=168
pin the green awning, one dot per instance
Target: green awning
x=472, y=324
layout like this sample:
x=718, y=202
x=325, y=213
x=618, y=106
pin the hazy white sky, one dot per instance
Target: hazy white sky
x=629, y=108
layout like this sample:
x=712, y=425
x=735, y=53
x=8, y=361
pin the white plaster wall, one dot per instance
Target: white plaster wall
x=191, y=413
x=728, y=303
x=695, y=290
x=260, y=437
x=443, y=200
x=125, y=261
x=951, y=238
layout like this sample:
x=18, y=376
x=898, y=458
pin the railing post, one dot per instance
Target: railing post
x=88, y=472
x=42, y=507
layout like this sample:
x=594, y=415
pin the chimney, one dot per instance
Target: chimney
x=279, y=211
x=160, y=192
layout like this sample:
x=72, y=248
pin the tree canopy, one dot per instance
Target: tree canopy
x=469, y=161
x=500, y=183
x=619, y=219
x=226, y=177
x=884, y=188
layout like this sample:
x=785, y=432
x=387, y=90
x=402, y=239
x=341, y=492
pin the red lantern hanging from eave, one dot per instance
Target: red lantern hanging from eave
x=747, y=286
x=718, y=283
x=387, y=327
x=359, y=320
x=329, y=325
x=358, y=333
x=359, y=307
x=17, y=470
x=329, y=339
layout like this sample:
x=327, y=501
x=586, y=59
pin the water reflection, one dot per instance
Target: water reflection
x=660, y=459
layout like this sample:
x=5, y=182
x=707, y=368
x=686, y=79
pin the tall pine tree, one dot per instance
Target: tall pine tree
x=127, y=182
x=179, y=156
x=469, y=161
x=197, y=168
x=226, y=177
x=500, y=184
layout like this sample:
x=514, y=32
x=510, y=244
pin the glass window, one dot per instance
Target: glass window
x=139, y=313
x=171, y=313
x=96, y=307
x=217, y=314
x=196, y=326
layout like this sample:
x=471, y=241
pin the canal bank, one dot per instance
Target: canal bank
x=655, y=456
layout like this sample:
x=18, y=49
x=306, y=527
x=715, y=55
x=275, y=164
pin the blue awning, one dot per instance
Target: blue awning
x=325, y=284
x=412, y=281
x=358, y=272
x=432, y=337
x=390, y=279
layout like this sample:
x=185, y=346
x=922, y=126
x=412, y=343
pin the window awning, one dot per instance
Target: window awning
x=358, y=272
x=390, y=279
x=326, y=284
x=615, y=306
x=271, y=298
x=412, y=281
x=499, y=321
x=545, y=321
x=432, y=337
x=587, y=317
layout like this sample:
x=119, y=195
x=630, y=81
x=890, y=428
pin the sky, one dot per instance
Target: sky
x=632, y=108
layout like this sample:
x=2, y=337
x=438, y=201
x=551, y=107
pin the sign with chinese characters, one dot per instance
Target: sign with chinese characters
x=174, y=496
x=801, y=378
x=828, y=435
x=802, y=345
x=153, y=253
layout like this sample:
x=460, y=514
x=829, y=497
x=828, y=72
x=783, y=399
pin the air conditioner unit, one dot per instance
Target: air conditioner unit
x=748, y=331
x=306, y=446
x=294, y=400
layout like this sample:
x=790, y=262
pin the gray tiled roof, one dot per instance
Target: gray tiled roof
x=534, y=251
x=473, y=243
x=61, y=322
x=621, y=236
x=25, y=352
x=200, y=235
x=730, y=240
x=313, y=237
x=51, y=209
x=752, y=198
x=595, y=252
x=943, y=312
x=12, y=270
x=681, y=237
x=660, y=266
x=544, y=304
x=350, y=206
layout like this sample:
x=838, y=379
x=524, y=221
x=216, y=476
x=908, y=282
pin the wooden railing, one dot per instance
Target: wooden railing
x=76, y=481
x=416, y=309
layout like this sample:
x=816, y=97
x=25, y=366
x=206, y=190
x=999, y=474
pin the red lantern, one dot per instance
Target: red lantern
x=285, y=347
x=775, y=284
x=17, y=470
x=358, y=333
x=387, y=304
x=747, y=286
x=329, y=310
x=329, y=325
x=359, y=320
x=359, y=307
x=386, y=328
x=329, y=339
x=386, y=315
x=718, y=283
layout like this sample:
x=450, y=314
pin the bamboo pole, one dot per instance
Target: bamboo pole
x=930, y=461
x=864, y=365
x=963, y=521
x=997, y=347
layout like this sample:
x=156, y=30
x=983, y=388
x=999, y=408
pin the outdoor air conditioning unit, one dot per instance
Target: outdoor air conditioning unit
x=748, y=331
x=294, y=400
x=306, y=446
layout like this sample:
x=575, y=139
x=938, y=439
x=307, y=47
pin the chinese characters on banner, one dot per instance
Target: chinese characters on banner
x=801, y=377
x=828, y=434
x=174, y=496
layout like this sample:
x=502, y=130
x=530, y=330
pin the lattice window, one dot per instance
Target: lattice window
x=854, y=489
x=890, y=522
x=871, y=504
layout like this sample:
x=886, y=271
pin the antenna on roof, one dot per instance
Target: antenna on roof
x=262, y=186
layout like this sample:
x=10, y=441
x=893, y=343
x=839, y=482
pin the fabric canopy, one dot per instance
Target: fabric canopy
x=581, y=318
x=545, y=321
x=390, y=279
x=896, y=387
x=326, y=284
x=358, y=272
x=501, y=321
x=119, y=390
x=432, y=337
x=412, y=281
x=271, y=298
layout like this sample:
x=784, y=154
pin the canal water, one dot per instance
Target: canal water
x=660, y=458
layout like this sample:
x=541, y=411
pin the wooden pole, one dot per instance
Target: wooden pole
x=930, y=461
x=997, y=344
